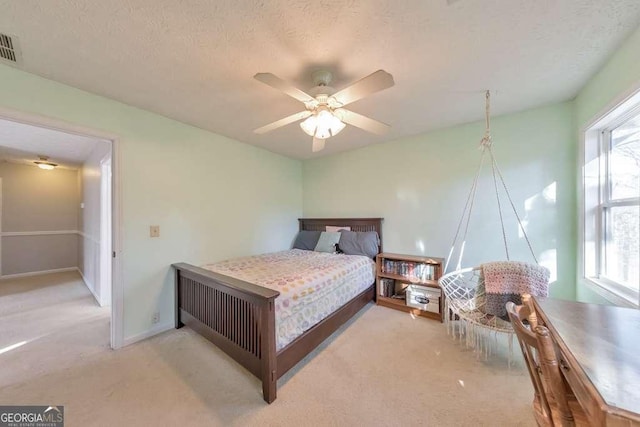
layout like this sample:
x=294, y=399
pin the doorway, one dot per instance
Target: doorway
x=100, y=240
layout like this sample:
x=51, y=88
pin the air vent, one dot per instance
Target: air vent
x=9, y=52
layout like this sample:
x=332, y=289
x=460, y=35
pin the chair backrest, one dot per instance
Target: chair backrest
x=540, y=356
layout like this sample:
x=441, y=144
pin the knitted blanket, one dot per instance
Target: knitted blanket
x=508, y=280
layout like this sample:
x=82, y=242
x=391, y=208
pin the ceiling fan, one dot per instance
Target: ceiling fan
x=324, y=115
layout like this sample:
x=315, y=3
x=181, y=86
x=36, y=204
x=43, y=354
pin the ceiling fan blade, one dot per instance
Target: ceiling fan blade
x=374, y=82
x=278, y=83
x=362, y=122
x=283, y=122
x=318, y=144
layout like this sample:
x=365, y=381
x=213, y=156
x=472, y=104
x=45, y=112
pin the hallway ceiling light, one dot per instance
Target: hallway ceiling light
x=45, y=164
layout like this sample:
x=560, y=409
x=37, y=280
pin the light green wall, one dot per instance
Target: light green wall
x=213, y=197
x=618, y=77
x=419, y=185
x=216, y=198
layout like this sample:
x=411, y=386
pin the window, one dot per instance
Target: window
x=620, y=254
x=612, y=204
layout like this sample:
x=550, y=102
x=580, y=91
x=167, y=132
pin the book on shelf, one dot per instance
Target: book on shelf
x=413, y=270
x=387, y=287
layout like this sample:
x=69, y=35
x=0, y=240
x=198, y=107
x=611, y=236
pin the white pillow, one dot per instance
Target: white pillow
x=327, y=241
x=332, y=228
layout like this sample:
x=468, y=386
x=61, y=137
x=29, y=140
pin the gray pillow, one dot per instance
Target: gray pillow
x=306, y=240
x=327, y=241
x=359, y=243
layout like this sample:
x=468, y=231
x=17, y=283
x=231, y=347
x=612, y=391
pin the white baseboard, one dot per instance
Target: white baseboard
x=155, y=330
x=90, y=287
x=38, y=273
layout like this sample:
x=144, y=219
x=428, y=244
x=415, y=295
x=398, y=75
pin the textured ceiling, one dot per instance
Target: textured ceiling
x=22, y=143
x=194, y=60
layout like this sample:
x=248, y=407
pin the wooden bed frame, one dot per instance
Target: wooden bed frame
x=239, y=317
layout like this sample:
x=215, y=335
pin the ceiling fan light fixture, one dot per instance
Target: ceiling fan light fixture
x=336, y=125
x=323, y=133
x=45, y=164
x=323, y=116
x=310, y=125
x=322, y=125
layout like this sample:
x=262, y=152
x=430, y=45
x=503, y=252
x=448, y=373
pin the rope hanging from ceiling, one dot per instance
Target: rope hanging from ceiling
x=464, y=288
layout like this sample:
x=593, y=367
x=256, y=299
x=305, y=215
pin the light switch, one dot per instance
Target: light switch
x=154, y=231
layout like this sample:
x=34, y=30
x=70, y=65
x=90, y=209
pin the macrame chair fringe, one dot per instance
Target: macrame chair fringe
x=464, y=315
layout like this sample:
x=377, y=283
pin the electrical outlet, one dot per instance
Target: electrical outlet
x=154, y=231
x=156, y=317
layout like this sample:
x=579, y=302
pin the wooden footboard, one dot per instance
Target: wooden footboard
x=237, y=316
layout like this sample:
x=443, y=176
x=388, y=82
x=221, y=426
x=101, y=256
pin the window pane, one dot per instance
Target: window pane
x=622, y=256
x=624, y=160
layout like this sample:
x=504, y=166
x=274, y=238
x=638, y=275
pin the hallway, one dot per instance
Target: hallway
x=41, y=313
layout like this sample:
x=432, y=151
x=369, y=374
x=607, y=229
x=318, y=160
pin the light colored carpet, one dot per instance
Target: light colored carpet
x=382, y=369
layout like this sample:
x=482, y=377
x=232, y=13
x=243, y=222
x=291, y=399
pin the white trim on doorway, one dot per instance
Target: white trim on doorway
x=105, y=231
x=0, y=227
x=117, y=287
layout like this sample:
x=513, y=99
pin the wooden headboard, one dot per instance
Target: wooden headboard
x=356, y=224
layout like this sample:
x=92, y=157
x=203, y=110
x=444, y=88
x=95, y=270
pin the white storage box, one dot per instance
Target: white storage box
x=424, y=298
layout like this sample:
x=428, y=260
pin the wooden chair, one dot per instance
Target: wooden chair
x=553, y=403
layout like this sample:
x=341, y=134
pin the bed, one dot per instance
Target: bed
x=239, y=316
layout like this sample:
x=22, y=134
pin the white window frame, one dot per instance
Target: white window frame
x=596, y=200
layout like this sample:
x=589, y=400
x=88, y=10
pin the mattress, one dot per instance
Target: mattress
x=312, y=285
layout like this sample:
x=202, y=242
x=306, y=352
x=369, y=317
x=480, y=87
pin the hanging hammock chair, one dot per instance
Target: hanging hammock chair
x=466, y=314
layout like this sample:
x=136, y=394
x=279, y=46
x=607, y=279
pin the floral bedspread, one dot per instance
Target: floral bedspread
x=312, y=285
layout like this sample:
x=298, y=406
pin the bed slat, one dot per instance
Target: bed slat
x=227, y=316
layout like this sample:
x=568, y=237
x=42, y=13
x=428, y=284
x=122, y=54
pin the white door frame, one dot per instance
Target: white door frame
x=117, y=285
x=106, y=257
x=0, y=227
